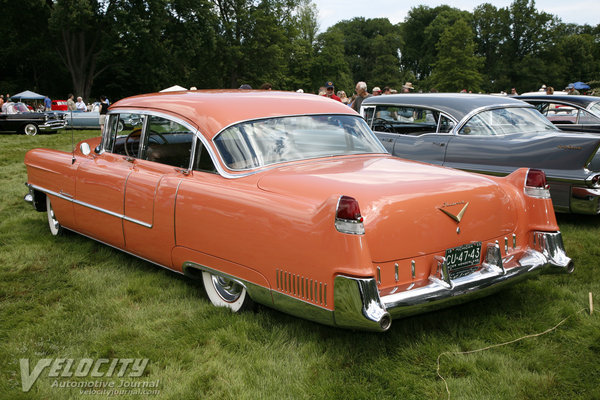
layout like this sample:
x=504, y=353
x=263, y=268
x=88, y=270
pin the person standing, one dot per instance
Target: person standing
x=103, y=111
x=1, y=101
x=330, y=91
x=80, y=105
x=70, y=103
x=571, y=89
x=47, y=104
x=361, y=94
x=407, y=87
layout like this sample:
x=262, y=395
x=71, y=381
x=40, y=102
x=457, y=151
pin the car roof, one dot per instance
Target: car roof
x=456, y=104
x=580, y=100
x=213, y=110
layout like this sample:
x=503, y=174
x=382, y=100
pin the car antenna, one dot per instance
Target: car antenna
x=72, y=140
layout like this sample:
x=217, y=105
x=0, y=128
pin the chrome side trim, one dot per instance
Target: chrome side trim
x=68, y=197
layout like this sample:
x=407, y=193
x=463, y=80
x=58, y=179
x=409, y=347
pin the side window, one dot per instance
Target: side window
x=587, y=118
x=202, y=161
x=167, y=142
x=405, y=120
x=125, y=132
x=369, y=112
x=446, y=124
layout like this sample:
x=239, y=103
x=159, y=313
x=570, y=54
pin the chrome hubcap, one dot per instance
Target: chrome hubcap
x=228, y=289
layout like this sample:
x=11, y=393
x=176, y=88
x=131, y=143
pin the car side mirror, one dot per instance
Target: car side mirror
x=85, y=149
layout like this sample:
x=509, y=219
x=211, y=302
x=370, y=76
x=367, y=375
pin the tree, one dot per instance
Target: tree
x=28, y=59
x=78, y=26
x=418, y=50
x=457, y=66
x=330, y=64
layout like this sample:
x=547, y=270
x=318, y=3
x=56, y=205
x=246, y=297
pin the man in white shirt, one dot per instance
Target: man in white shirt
x=80, y=105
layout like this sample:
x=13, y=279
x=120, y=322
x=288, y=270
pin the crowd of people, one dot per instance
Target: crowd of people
x=327, y=90
x=361, y=93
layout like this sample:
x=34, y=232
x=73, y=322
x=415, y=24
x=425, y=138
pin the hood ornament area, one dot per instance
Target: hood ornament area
x=455, y=217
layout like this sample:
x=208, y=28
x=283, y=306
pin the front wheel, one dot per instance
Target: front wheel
x=226, y=292
x=55, y=226
x=30, y=129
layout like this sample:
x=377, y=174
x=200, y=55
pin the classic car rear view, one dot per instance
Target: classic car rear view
x=289, y=200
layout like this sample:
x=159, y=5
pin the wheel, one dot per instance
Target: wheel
x=55, y=226
x=30, y=129
x=225, y=292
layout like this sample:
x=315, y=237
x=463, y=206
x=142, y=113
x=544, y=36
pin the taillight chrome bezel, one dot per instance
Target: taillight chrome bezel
x=352, y=226
x=541, y=190
x=593, y=181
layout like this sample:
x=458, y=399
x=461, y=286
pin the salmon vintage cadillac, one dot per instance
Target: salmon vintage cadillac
x=291, y=201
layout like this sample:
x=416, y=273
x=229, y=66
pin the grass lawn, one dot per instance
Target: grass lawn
x=70, y=297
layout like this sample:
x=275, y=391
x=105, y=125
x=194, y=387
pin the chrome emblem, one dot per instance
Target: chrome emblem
x=455, y=217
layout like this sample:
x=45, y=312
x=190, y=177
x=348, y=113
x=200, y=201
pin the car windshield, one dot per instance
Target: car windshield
x=255, y=144
x=503, y=121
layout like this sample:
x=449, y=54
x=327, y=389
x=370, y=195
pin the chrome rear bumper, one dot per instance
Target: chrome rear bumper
x=585, y=200
x=358, y=305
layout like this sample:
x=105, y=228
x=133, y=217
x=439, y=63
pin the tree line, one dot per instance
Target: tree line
x=125, y=47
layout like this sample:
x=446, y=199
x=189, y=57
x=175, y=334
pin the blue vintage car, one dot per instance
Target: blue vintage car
x=82, y=119
x=491, y=135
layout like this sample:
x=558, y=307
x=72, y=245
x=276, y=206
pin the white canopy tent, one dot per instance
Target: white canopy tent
x=174, y=88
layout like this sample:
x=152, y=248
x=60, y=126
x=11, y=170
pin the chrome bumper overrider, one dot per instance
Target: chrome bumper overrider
x=585, y=200
x=358, y=303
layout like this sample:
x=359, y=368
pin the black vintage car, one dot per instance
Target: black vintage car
x=17, y=118
x=491, y=135
x=568, y=112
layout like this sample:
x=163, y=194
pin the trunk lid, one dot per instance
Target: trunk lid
x=409, y=208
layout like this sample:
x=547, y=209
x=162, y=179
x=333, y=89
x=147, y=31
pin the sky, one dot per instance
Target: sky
x=332, y=11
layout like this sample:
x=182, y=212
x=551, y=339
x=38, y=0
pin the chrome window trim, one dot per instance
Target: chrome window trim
x=478, y=110
x=246, y=172
x=195, y=131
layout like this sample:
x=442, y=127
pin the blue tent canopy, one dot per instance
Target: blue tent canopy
x=580, y=86
x=27, y=95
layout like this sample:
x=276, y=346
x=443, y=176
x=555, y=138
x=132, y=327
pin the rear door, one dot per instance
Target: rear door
x=414, y=133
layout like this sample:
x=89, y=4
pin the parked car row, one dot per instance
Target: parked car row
x=290, y=200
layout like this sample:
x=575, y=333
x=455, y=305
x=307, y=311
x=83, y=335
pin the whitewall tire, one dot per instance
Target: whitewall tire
x=55, y=226
x=30, y=129
x=225, y=292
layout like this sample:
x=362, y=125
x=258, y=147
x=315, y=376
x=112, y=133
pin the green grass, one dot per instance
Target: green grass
x=70, y=297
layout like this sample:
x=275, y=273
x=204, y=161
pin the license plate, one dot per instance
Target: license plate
x=463, y=260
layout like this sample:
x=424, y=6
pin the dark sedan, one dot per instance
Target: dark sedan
x=491, y=135
x=569, y=113
x=16, y=118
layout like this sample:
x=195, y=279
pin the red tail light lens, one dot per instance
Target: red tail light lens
x=347, y=216
x=348, y=209
x=536, y=185
x=536, y=178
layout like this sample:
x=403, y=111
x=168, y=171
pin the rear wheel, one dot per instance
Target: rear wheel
x=55, y=226
x=226, y=292
x=30, y=129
